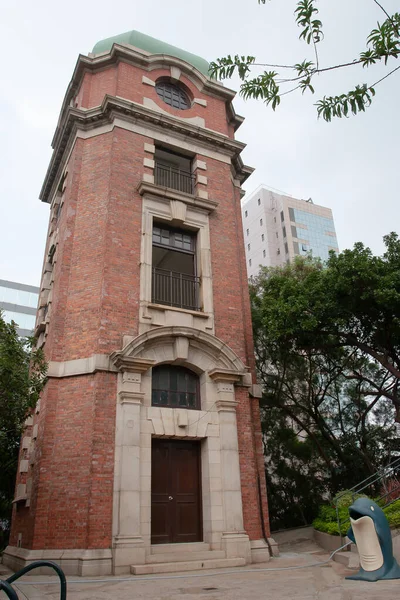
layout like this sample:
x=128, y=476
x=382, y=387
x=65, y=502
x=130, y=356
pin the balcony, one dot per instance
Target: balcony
x=175, y=289
x=174, y=178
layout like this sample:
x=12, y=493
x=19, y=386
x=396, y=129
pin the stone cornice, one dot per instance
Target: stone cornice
x=80, y=366
x=226, y=376
x=112, y=107
x=131, y=363
x=122, y=53
x=170, y=194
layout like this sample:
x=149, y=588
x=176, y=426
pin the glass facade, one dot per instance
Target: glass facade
x=318, y=235
x=21, y=297
x=19, y=305
x=23, y=320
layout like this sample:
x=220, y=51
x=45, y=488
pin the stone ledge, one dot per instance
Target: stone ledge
x=164, y=192
x=81, y=562
x=80, y=366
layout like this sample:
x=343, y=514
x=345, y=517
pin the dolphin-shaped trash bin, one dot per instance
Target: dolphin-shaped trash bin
x=371, y=532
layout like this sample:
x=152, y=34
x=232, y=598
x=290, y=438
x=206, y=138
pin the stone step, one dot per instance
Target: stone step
x=191, y=547
x=184, y=556
x=348, y=559
x=188, y=565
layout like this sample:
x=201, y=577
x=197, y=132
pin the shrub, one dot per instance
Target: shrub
x=327, y=518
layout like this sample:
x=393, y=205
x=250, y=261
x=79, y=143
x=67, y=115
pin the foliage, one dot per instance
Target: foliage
x=327, y=422
x=22, y=377
x=346, y=311
x=296, y=479
x=382, y=44
x=346, y=498
x=327, y=518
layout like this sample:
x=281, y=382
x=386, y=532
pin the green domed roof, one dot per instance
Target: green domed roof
x=153, y=46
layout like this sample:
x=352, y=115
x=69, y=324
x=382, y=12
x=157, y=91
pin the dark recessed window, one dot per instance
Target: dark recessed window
x=173, y=95
x=175, y=280
x=175, y=387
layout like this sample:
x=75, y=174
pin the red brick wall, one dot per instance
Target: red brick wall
x=96, y=302
x=125, y=80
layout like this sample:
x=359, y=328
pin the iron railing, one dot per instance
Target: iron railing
x=175, y=289
x=172, y=177
x=5, y=584
x=377, y=486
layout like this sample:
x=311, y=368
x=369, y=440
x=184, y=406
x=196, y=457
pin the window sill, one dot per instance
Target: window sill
x=171, y=194
x=195, y=313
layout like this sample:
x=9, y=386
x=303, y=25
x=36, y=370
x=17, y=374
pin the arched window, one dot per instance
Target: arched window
x=175, y=387
x=173, y=95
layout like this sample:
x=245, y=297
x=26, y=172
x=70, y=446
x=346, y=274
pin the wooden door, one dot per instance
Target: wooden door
x=175, y=492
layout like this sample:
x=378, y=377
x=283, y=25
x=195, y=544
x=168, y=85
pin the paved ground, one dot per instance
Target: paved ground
x=325, y=582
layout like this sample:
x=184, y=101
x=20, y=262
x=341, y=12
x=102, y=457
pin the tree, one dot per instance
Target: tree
x=326, y=421
x=22, y=377
x=382, y=45
x=351, y=305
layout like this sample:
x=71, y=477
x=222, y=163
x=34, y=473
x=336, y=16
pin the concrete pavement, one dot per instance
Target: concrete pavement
x=325, y=582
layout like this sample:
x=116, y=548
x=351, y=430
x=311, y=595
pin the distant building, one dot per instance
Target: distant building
x=18, y=302
x=277, y=228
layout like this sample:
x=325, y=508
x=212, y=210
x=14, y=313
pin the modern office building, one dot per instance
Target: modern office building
x=276, y=228
x=18, y=302
x=144, y=454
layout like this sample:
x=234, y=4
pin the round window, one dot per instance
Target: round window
x=173, y=95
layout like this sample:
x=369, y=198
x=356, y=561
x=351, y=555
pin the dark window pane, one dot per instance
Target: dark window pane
x=173, y=95
x=175, y=387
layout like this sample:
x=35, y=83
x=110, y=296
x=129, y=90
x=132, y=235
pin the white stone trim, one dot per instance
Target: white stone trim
x=80, y=366
x=148, y=162
x=202, y=194
x=215, y=424
x=202, y=179
x=149, y=148
x=148, y=81
x=200, y=101
x=175, y=73
x=199, y=164
x=81, y=562
x=150, y=103
x=197, y=220
x=148, y=178
x=23, y=466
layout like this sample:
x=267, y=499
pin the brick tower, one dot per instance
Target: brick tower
x=145, y=447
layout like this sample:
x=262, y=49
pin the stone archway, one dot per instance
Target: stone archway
x=138, y=422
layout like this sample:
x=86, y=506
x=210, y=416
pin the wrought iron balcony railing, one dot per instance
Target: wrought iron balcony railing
x=170, y=176
x=175, y=289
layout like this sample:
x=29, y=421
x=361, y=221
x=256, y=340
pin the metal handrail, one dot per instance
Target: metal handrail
x=173, y=177
x=378, y=477
x=5, y=584
x=175, y=289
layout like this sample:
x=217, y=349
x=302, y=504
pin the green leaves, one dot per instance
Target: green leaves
x=385, y=39
x=339, y=106
x=383, y=43
x=312, y=28
x=22, y=377
x=224, y=68
x=263, y=88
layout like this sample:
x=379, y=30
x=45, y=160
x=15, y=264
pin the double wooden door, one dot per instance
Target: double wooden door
x=175, y=492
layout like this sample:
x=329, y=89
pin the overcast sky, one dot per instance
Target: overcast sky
x=351, y=166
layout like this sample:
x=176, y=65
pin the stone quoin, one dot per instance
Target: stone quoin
x=145, y=448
